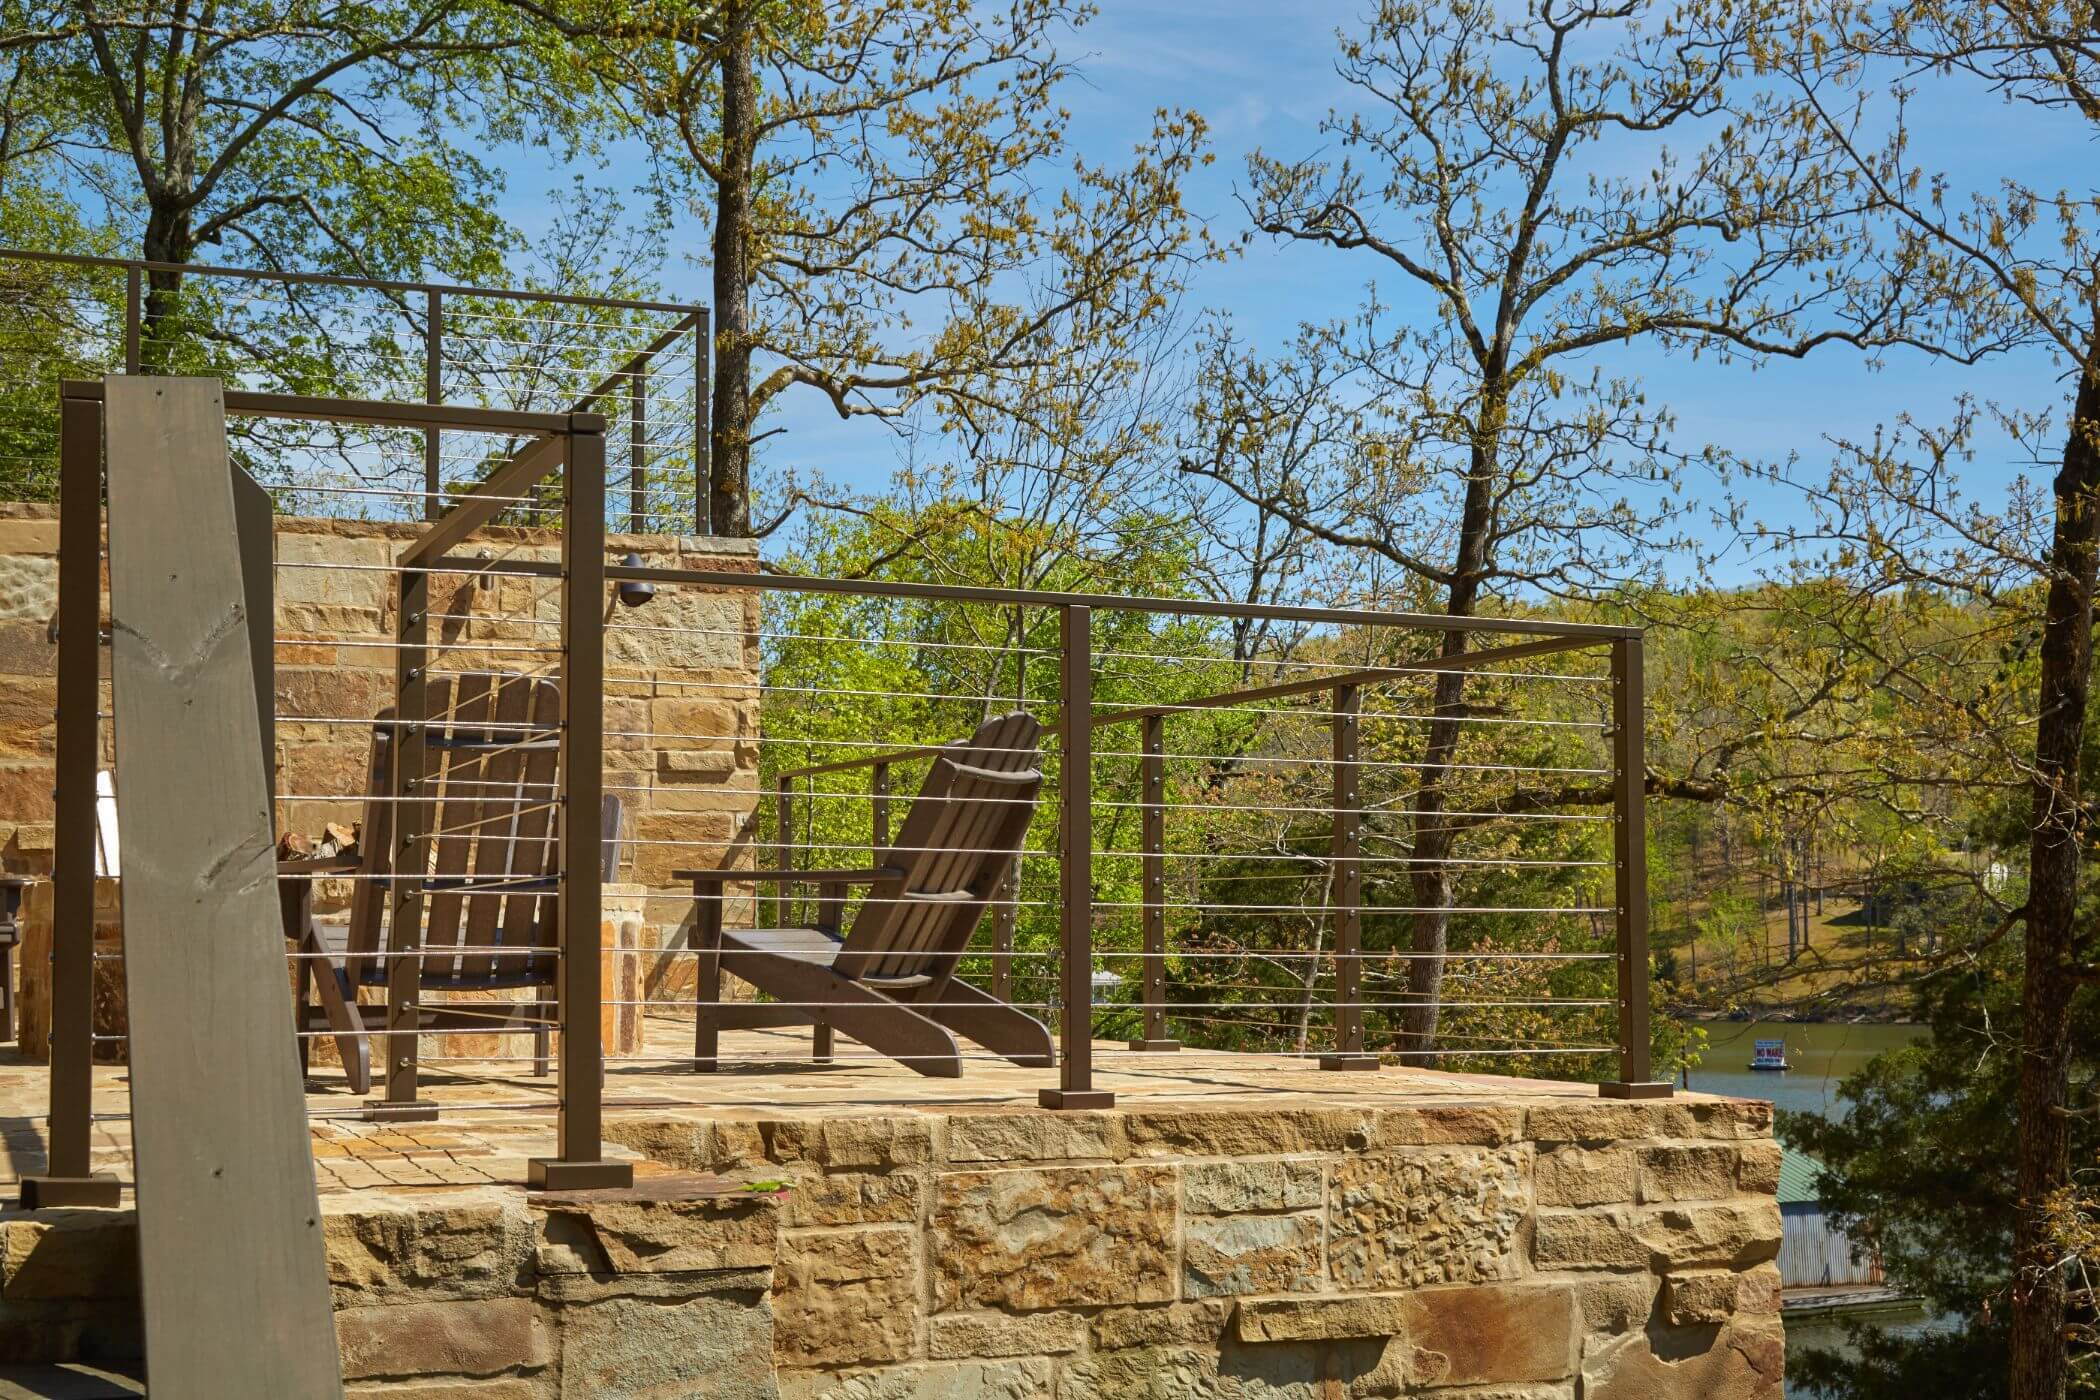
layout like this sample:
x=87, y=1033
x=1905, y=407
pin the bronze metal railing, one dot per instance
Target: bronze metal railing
x=653, y=372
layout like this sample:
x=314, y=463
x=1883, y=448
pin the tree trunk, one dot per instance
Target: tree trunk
x=2038, y=1364
x=1430, y=871
x=167, y=240
x=729, y=448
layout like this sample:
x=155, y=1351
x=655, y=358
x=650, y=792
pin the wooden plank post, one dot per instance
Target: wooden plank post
x=1075, y=845
x=1630, y=872
x=66, y=1180
x=1152, y=836
x=579, y=1163
x=1345, y=886
x=1003, y=921
x=233, y=1271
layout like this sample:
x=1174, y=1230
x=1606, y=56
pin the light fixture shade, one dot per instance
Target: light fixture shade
x=633, y=591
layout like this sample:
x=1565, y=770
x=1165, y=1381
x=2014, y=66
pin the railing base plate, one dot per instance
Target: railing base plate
x=41, y=1191
x=553, y=1174
x=1645, y=1089
x=1155, y=1046
x=1350, y=1062
x=1075, y=1098
x=397, y=1111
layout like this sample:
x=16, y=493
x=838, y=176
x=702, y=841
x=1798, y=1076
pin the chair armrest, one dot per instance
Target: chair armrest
x=800, y=877
x=318, y=865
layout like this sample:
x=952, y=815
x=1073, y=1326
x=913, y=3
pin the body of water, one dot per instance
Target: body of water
x=1820, y=1056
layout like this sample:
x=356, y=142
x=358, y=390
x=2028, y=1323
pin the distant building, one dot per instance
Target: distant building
x=1812, y=1253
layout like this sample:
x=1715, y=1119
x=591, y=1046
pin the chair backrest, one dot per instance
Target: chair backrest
x=489, y=773
x=963, y=833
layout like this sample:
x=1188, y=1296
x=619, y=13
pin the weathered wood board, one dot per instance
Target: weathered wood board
x=232, y=1268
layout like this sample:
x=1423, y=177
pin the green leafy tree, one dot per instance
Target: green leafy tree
x=1496, y=457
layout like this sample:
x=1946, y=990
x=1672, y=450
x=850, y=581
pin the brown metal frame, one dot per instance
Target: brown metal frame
x=1628, y=792
x=694, y=319
x=574, y=439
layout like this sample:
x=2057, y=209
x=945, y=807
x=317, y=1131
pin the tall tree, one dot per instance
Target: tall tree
x=306, y=135
x=896, y=221
x=2028, y=253
x=1483, y=168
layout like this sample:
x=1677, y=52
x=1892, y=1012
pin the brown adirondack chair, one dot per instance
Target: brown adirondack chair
x=489, y=882
x=890, y=981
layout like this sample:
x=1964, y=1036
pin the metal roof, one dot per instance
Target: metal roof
x=1797, y=1178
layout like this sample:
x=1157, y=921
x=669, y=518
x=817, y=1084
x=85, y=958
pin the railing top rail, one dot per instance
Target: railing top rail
x=1225, y=699
x=1577, y=633
x=372, y=283
x=380, y=413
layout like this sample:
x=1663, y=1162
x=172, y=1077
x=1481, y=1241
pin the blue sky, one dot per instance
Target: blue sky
x=1262, y=75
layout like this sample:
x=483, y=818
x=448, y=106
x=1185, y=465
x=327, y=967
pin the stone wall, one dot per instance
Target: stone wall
x=686, y=671
x=1590, y=1249
x=1491, y=1249
x=473, y=1294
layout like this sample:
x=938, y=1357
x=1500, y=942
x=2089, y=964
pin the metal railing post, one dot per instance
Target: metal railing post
x=402, y=1044
x=1152, y=837
x=433, y=392
x=879, y=809
x=66, y=1180
x=1345, y=887
x=783, y=850
x=1630, y=872
x=638, y=453
x=1003, y=934
x=579, y=1163
x=1075, y=835
x=133, y=315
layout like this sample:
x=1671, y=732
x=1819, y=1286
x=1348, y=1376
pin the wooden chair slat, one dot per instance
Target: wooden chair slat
x=457, y=810
x=503, y=774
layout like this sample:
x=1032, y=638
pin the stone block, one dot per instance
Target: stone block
x=479, y=1337
x=1734, y=1236
x=821, y=1199
x=1700, y=1296
x=1492, y=1335
x=1244, y=1131
x=1757, y=1173
x=641, y=1235
x=874, y=1142
x=1071, y=1237
x=461, y=1244
x=1758, y=1291
x=846, y=1297
x=698, y=765
x=70, y=1254
x=1198, y=1323
x=28, y=587
x=1022, y=1379
x=1230, y=1188
x=1587, y=1239
x=1580, y=1176
x=1034, y=1136
x=709, y=632
x=1435, y=1216
x=502, y=1388
x=29, y=537
x=1681, y=1172
x=1225, y=1256
x=1439, y=1125
x=1736, y=1362
x=1614, y=1303
x=986, y=1336
x=1610, y=1120
x=1321, y=1319
x=719, y=1345
x=28, y=718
